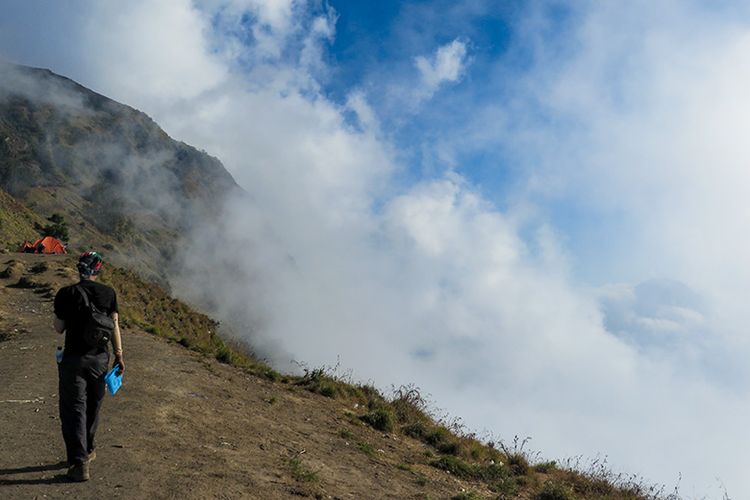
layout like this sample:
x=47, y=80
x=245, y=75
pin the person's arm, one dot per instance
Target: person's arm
x=59, y=325
x=117, y=344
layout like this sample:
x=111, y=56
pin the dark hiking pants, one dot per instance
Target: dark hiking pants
x=81, y=395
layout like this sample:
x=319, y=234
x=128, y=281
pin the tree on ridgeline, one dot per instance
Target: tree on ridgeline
x=57, y=227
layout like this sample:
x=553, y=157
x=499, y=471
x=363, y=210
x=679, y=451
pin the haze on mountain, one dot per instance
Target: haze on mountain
x=114, y=167
x=532, y=212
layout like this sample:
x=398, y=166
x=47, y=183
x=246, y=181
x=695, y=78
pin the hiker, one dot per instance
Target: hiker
x=84, y=361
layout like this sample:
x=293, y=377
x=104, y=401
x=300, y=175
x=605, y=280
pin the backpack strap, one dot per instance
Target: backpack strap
x=86, y=301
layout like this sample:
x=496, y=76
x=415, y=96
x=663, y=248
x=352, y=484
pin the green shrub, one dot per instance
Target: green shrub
x=367, y=449
x=346, y=434
x=469, y=495
x=417, y=430
x=370, y=395
x=224, y=355
x=519, y=464
x=318, y=381
x=448, y=447
x=506, y=487
x=302, y=473
x=438, y=437
x=492, y=474
x=546, y=467
x=155, y=330
x=327, y=390
x=57, y=228
x=380, y=419
x=409, y=406
x=554, y=491
x=455, y=466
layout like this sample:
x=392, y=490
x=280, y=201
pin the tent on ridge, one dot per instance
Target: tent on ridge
x=47, y=244
x=26, y=247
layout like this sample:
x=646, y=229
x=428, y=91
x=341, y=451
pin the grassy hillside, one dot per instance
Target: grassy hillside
x=59, y=133
x=146, y=251
x=16, y=222
x=132, y=242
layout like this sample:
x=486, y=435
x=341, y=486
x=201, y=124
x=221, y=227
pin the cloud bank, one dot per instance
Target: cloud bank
x=633, y=117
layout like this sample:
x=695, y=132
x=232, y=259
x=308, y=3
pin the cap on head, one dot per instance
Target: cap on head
x=89, y=264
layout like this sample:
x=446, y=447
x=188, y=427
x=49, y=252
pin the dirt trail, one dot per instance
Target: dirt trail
x=183, y=426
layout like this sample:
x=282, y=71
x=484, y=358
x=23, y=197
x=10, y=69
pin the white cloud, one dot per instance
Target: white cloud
x=331, y=272
x=150, y=49
x=642, y=121
x=322, y=30
x=274, y=24
x=429, y=283
x=266, y=24
x=277, y=14
x=658, y=316
x=445, y=66
x=366, y=116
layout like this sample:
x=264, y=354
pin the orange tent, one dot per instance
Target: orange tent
x=48, y=244
x=26, y=247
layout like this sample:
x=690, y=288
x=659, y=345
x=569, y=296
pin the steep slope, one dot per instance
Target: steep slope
x=207, y=422
x=16, y=222
x=64, y=148
x=186, y=425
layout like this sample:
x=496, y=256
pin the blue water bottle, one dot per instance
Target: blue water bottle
x=59, y=354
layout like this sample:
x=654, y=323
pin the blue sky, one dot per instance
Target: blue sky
x=375, y=48
x=377, y=41
x=376, y=44
x=557, y=191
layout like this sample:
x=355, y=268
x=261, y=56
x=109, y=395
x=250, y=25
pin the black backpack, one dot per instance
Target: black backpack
x=98, y=327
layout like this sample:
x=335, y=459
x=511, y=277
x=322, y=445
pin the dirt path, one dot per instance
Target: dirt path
x=184, y=426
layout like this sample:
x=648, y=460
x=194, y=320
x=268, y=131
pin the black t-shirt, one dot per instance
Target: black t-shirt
x=69, y=307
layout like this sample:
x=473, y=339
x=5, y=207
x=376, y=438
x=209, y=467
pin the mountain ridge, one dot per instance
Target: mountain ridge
x=48, y=161
x=113, y=163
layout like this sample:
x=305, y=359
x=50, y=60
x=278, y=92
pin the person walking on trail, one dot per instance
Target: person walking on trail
x=80, y=311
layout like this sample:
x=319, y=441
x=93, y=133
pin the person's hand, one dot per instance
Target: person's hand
x=119, y=361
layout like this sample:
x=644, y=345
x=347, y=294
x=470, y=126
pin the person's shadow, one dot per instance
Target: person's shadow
x=60, y=478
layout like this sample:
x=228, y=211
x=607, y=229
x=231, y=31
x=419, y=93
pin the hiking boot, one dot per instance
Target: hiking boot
x=91, y=457
x=79, y=472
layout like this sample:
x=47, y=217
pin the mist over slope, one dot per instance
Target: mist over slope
x=117, y=170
